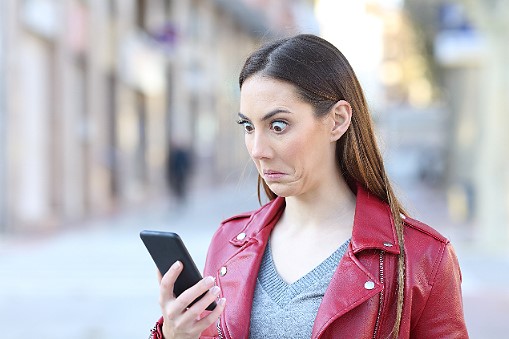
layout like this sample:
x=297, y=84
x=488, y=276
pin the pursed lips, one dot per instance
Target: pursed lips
x=270, y=174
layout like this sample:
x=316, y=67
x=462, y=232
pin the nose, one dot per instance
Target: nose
x=258, y=146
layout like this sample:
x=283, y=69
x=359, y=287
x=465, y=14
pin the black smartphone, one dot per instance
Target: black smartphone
x=166, y=248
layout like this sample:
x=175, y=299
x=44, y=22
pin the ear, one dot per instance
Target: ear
x=341, y=114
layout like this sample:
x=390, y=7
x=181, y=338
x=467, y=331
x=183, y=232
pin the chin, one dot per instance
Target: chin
x=282, y=190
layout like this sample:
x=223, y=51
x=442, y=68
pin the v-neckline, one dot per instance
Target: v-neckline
x=283, y=292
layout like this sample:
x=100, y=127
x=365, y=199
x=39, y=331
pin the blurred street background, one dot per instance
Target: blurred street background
x=119, y=115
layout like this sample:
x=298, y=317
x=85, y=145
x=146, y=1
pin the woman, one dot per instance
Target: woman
x=332, y=255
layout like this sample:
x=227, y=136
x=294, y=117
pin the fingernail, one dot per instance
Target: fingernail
x=177, y=264
x=209, y=280
x=215, y=290
x=221, y=301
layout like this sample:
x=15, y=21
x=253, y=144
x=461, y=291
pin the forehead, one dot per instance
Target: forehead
x=260, y=91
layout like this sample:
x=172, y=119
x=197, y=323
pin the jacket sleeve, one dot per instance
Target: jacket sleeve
x=157, y=331
x=442, y=316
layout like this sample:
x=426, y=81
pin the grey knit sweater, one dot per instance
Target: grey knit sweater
x=282, y=310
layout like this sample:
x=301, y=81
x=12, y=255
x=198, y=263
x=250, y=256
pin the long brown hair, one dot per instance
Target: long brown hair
x=323, y=76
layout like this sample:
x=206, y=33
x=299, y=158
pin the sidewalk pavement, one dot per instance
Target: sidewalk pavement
x=97, y=281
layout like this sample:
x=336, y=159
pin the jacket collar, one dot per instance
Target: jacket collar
x=373, y=226
x=263, y=219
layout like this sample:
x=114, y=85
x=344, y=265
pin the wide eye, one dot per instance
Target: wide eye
x=278, y=126
x=248, y=127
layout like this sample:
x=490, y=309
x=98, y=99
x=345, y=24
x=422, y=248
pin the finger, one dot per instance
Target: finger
x=195, y=311
x=211, y=318
x=193, y=292
x=168, y=283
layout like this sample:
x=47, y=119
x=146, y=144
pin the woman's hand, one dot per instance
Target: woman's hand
x=181, y=321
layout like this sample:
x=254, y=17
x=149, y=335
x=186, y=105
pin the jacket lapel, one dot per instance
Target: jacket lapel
x=239, y=282
x=350, y=286
x=352, y=283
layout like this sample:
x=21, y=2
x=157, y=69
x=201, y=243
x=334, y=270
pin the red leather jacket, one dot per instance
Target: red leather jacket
x=360, y=301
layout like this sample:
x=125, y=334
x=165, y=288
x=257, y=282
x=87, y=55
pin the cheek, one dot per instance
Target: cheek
x=296, y=151
x=311, y=149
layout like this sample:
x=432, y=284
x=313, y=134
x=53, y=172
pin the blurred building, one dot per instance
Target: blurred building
x=408, y=116
x=93, y=91
x=468, y=42
x=387, y=55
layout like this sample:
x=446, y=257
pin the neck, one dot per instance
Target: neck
x=331, y=207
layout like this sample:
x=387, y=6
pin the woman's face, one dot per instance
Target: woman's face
x=292, y=149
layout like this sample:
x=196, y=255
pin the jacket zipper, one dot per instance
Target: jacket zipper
x=381, y=276
x=219, y=331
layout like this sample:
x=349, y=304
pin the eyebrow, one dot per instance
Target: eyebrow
x=268, y=115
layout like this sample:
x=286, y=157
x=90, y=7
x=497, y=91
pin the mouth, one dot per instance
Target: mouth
x=270, y=175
